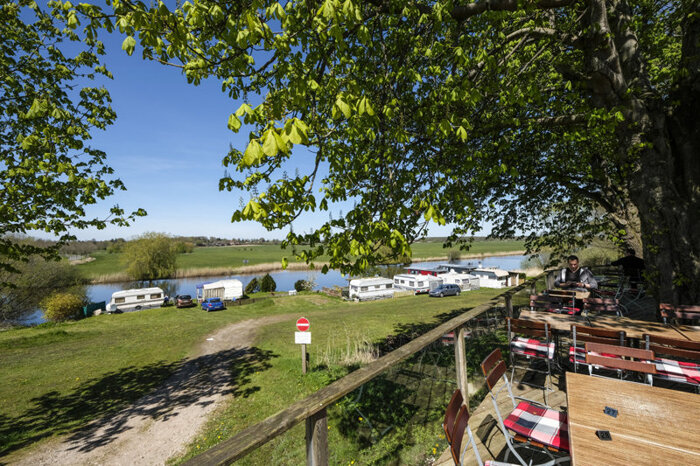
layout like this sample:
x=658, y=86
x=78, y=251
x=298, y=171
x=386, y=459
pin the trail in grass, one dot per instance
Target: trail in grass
x=160, y=425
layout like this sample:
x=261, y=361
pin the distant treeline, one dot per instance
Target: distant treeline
x=86, y=247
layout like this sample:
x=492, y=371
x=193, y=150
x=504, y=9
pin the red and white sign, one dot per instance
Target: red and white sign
x=303, y=324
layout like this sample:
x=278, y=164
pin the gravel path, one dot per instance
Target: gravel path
x=161, y=424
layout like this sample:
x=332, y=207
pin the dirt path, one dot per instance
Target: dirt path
x=161, y=424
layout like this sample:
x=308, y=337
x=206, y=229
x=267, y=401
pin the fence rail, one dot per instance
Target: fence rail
x=312, y=409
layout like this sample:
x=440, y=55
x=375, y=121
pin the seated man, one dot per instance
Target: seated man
x=632, y=266
x=575, y=277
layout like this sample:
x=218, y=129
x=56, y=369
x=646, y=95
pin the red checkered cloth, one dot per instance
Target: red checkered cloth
x=546, y=426
x=498, y=463
x=532, y=348
x=678, y=371
x=580, y=354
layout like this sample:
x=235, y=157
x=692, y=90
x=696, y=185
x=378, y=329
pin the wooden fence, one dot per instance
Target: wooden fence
x=312, y=409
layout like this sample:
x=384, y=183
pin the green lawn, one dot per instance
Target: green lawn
x=231, y=257
x=57, y=378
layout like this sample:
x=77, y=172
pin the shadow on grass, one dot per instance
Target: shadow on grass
x=98, y=410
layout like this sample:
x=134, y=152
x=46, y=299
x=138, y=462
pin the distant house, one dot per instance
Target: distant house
x=366, y=289
x=226, y=290
x=496, y=278
x=416, y=283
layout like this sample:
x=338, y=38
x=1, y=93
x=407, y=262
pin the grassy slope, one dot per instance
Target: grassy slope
x=55, y=379
x=334, y=329
x=212, y=257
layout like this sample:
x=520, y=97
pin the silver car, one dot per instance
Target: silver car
x=445, y=290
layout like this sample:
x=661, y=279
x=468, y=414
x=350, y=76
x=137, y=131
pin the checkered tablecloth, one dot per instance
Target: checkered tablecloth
x=532, y=347
x=543, y=425
x=566, y=310
x=678, y=371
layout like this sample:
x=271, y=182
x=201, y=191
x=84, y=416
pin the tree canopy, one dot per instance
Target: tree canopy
x=558, y=119
x=47, y=172
x=150, y=256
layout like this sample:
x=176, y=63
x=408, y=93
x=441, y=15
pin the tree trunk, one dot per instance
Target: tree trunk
x=665, y=190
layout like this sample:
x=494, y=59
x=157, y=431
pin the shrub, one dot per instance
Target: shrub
x=303, y=285
x=62, y=306
x=253, y=286
x=268, y=283
x=454, y=256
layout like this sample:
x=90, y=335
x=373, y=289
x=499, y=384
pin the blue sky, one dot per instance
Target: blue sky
x=167, y=145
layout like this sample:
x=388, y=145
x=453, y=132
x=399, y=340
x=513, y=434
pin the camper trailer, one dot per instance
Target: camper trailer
x=493, y=277
x=465, y=281
x=226, y=290
x=136, y=299
x=366, y=289
x=417, y=283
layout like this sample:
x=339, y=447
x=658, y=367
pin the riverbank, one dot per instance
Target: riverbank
x=270, y=267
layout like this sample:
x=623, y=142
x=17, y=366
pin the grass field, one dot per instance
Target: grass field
x=57, y=378
x=219, y=259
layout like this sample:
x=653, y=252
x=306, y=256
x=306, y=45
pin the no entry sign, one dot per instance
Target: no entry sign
x=303, y=324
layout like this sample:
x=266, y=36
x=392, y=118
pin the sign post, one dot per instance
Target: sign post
x=303, y=338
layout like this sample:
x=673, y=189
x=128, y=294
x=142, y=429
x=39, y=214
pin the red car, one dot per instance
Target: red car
x=183, y=300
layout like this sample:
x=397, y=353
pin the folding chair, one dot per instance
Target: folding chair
x=684, y=367
x=580, y=335
x=612, y=357
x=671, y=313
x=541, y=347
x=567, y=296
x=448, y=425
x=632, y=293
x=533, y=425
x=462, y=425
x=602, y=306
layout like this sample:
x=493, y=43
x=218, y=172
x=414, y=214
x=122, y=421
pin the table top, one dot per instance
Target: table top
x=633, y=328
x=656, y=424
x=580, y=294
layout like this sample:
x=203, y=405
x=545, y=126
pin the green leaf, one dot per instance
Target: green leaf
x=128, y=45
x=252, y=154
x=285, y=262
x=270, y=144
x=234, y=124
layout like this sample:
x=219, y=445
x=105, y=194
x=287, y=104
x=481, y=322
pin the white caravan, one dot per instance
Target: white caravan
x=136, y=299
x=371, y=288
x=492, y=277
x=465, y=281
x=226, y=290
x=416, y=283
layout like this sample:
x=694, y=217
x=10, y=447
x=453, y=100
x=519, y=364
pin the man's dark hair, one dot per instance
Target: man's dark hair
x=572, y=258
x=631, y=252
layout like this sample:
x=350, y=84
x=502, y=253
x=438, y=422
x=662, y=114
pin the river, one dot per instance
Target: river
x=285, y=280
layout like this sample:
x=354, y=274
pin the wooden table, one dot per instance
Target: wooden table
x=567, y=293
x=653, y=426
x=633, y=328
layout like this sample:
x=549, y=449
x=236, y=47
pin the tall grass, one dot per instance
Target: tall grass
x=357, y=351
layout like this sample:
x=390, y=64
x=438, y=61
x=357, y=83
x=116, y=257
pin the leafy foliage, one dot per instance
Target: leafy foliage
x=268, y=284
x=48, y=173
x=62, y=306
x=303, y=285
x=554, y=120
x=253, y=286
x=150, y=256
x=37, y=279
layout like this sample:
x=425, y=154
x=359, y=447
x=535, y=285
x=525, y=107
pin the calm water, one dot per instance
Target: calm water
x=285, y=281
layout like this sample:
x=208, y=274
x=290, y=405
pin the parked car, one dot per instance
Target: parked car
x=183, y=300
x=445, y=290
x=213, y=304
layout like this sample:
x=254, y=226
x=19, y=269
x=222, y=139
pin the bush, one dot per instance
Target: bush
x=268, y=283
x=454, y=256
x=253, y=286
x=62, y=306
x=303, y=285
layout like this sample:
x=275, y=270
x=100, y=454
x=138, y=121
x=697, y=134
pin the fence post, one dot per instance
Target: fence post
x=317, y=439
x=509, y=305
x=461, y=363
